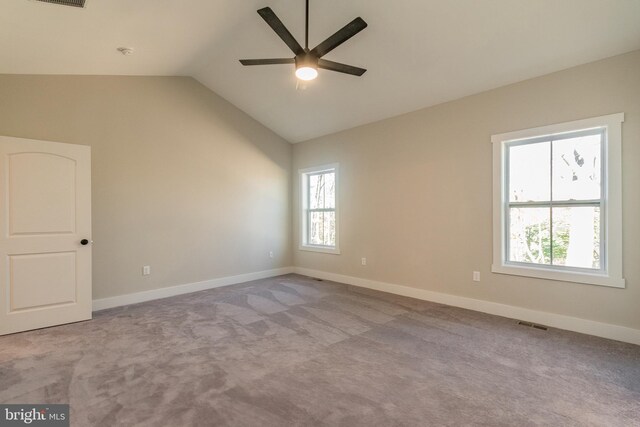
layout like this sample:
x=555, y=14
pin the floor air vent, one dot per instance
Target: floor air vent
x=74, y=3
x=532, y=325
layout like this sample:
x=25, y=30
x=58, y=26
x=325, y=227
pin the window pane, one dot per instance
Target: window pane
x=530, y=172
x=322, y=191
x=529, y=238
x=576, y=236
x=322, y=228
x=577, y=168
x=316, y=191
x=330, y=190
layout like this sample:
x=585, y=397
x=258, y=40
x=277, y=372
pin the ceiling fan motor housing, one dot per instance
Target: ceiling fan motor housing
x=306, y=60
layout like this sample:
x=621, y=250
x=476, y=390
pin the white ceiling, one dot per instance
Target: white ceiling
x=418, y=52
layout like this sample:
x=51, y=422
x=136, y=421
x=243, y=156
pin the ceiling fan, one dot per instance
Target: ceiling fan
x=308, y=61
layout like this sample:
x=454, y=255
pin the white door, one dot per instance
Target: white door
x=45, y=234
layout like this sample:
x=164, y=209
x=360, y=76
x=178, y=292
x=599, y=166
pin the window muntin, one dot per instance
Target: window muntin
x=553, y=209
x=319, y=209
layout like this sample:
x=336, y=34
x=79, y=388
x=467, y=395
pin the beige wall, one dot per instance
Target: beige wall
x=416, y=191
x=190, y=185
x=182, y=180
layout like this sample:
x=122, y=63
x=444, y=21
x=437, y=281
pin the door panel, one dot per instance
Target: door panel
x=38, y=280
x=45, y=276
x=37, y=203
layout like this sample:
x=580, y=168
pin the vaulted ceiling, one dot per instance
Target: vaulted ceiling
x=418, y=52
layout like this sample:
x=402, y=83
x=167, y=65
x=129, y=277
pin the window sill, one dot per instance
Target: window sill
x=563, y=276
x=320, y=249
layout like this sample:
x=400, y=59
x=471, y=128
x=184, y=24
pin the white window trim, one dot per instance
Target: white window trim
x=303, y=204
x=612, y=196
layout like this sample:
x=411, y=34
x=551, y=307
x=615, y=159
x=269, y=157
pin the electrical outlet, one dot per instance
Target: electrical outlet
x=270, y=254
x=146, y=270
x=476, y=276
x=364, y=261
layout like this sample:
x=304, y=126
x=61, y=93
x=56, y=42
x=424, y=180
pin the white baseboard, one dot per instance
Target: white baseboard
x=120, y=300
x=584, y=326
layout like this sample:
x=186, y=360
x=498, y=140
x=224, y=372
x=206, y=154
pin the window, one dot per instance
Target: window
x=557, y=202
x=320, y=209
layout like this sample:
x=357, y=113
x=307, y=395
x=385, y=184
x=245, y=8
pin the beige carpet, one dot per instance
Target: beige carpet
x=294, y=351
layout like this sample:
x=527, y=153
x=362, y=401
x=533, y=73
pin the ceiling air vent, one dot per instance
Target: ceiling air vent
x=74, y=3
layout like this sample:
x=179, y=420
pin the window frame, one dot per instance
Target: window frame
x=610, y=273
x=305, y=211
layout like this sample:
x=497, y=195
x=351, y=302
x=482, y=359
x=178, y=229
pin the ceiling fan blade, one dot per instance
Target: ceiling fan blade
x=276, y=24
x=344, y=34
x=268, y=61
x=341, y=68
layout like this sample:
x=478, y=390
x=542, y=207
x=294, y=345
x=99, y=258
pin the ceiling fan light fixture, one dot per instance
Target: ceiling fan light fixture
x=306, y=73
x=309, y=60
x=306, y=67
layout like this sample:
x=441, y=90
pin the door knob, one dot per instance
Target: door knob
x=84, y=242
